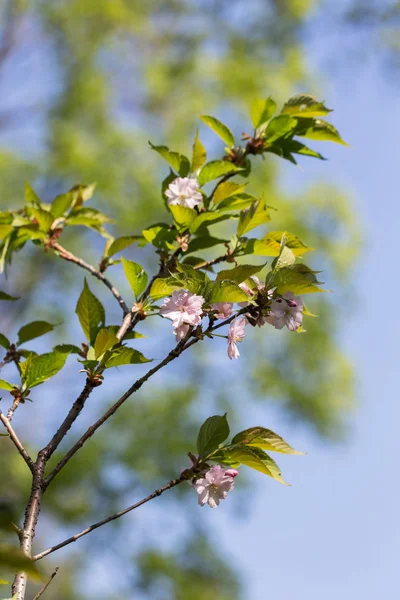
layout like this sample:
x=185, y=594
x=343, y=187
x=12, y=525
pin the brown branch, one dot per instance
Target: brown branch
x=13, y=408
x=66, y=255
x=16, y=442
x=184, y=476
x=209, y=263
x=44, y=588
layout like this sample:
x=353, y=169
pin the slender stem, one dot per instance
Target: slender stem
x=209, y=263
x=16, y=442
x=13, y=408
x=117, y=515
x=44, y=588
x=66, y=255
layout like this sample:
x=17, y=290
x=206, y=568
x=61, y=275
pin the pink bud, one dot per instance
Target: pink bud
x=292, y=303
x=231, y=472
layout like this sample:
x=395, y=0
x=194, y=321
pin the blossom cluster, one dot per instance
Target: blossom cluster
x=214, y=485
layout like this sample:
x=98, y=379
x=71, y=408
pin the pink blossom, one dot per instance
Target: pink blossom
x=184, y=309
x=249, y=291
x=224, y=309
x=236, y=334
x=184, y=192
x=215, y=485
x=287, y=310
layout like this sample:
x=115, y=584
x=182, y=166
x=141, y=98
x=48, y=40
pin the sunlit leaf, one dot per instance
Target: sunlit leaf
x=261, y=111
x=264, y=439
x=34, y=330
x=125, y=356
x=212, y=433
x=304, y=105
x=199, y=154
x=105, y=340
x=216, y=168
x=38, y=369
x=240, y=273
x=227, y=189
x=121, y=243
x=220, y=129
x=257, y=214
x=90, y=313
x=136, y=276
x=178, y=161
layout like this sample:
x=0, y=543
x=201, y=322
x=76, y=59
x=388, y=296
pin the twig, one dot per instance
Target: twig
x=66, y=255
x=209, y=263
x=117, y=515
x=16, y=442
x=44, y=588
x=13, y=408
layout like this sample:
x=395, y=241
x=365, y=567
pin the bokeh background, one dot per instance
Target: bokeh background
x=84, y=84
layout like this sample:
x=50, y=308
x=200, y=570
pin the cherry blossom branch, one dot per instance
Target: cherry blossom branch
x=66, y=255
x=74, y=538
x=44, y=588
x=14, y=438
x=209, y=263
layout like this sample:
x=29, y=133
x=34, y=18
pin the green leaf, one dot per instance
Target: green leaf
x=317, y=129
x=5, y=231
x=44, y=218
x=220, y=129
x=214, y=169
x=105, y=340
x=279, y=127
x=31, y=232
x=179, y=162
x=226, y=189
x=161, y=236
x=13, y=558
x=298, y=279
x=61, y=204
x=31, y=197
x=213, y=432
x=255, y=458
x=82, y=193
x=199, y=154
x=304, y=105
x=183, y=216
x=4, y=296
x=136, y=276
x=203, y=241
x=206, y=219
x=5, y=342
x=240, y=273
x=121, y=243
x=238, y=202
x=270, y=244
x=162, y=287
x=38, y=369
x=130, y=335
x=33, y=330
x=4, y=385
x=264, y=439
x=261, y=111
x=227, y=291
x=90, y=312
x=67, y=349
x=252, y=217
x=125, y=356
x=88, y=216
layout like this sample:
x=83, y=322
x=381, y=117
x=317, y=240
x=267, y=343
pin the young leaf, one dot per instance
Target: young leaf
x=227, y=291
x=90, y=217
x=323, y=131
x=31, y=197
x=270, y=244
x=105, y=340
x=220, y=129
x=4, y=296
x=43, y=217
x=179, y=162
x=61, y=204
x=252, y=217
x=255, y=458
x=279, y=127
x=4, y=385
x=183, y=216
x=204, y=241
x=121, y=243
x=304, y=105
x=240, y=273
x=226, y=189
x=298, y=279
x=38, y=369
x=207, y=218
x=261, y=111
x=136, y=276
x=162, y=287
x=67, y=349
x=90, y=313
x=5, y=342
x=213, y=432
x=33, y=330
x=125, y=356
x=214, y=169
x=264, y=439
x=5, y=231
x=130, y=335
x=199, y=154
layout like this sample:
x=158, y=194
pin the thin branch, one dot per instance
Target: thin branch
x=17, y=443
x=13, y=408
x=66, y=255
x=117, y=515
x=209, y=263
x=44, y=588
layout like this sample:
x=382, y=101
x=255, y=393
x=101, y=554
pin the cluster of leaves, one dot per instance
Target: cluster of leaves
x=246, y=447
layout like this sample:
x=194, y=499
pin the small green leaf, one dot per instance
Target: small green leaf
x=264, y=439
x=44, y=218
x=4, y=385
x=31, y=232
x=4, y=296
x=199, y=154
x=38, y=369
x=240, y=273
x=121, y=243
x=88, y=216
x=255, y=458
x=226, y=189
x=270, y=244
x=213, y=432
x=304, y=105
x=67, y=349
x=279, y=127
x=5, y=231
x=216, y=168
x=206, y=219
x=33, y=330
x=317, y=129
x=130, y=335
x=220, y=129
x=125, y=356
x=136, y=276
x=31, y=197
x=238, y=202
x=105, y=340
x=162, y=287
x=261, y=111
x=161, y=236
x=5, y=342
x=257, y=214
x=204, y=241
x=179, y=162
x=183, y=216
x=298, y=279
x=82, y=192
x=227, y=291
x=90, y=313
x=61, y=204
